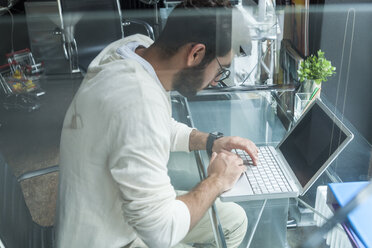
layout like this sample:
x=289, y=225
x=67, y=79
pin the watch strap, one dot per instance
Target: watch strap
x=210, y=141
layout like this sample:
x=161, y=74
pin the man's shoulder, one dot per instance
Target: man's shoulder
x=143, y=39
x=111, y=50
x=124, y=84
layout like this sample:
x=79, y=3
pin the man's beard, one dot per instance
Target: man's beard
x=188, y=81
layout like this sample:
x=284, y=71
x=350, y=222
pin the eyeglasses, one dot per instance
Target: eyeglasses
x=222, y=74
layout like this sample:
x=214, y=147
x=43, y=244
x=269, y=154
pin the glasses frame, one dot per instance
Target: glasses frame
x=222, y=74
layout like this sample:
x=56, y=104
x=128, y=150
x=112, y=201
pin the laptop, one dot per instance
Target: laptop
x=300, y=158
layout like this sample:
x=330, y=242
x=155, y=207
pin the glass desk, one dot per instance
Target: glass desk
x=254, y=115
x=250, y=115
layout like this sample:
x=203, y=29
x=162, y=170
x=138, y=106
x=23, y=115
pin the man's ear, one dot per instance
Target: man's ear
x=196, y=54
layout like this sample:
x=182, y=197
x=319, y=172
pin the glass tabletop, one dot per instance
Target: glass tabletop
x=249, y=115
x=254, y=115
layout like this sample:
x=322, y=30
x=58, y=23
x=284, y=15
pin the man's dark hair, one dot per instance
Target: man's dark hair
x=201, y=21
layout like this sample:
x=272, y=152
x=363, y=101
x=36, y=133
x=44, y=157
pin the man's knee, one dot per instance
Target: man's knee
x=234, y=222
x=239, y=220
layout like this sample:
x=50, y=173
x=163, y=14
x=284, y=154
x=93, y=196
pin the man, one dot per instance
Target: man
x=118, y=132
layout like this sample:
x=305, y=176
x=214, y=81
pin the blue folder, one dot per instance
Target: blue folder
x=360, y=219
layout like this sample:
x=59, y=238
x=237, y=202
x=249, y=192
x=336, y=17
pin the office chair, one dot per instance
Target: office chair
x=89, y=26
x=17, y=229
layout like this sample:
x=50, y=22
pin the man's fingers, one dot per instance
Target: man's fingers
x=252, y=150
x=214, y=155
x=235, y=158
x=246, y=145
x=254, y=157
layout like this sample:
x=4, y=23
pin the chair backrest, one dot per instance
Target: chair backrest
x=93, y=24
x=16, y=226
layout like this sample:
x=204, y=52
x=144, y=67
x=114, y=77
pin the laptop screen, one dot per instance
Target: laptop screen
x=311, y=143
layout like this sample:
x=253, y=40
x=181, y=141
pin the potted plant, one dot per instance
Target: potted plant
x=314, y=70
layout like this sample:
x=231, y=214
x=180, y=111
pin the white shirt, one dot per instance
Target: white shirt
x=115, y=145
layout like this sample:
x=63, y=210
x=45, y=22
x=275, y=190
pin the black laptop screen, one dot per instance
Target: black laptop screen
x=311, y=143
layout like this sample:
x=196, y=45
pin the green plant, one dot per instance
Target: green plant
x=316, y=68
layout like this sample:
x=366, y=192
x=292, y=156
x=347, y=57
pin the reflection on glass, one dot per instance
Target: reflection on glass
x=301, y=101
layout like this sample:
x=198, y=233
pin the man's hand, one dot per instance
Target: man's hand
x=224, y=170
x=198, y=141
x=226, y=167
x=234, y=142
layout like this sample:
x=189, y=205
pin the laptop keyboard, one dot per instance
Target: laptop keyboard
x=266, y=177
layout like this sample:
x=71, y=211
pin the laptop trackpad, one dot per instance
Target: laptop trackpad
x=242, y=187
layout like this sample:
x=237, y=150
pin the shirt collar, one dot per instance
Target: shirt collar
x=128, y=51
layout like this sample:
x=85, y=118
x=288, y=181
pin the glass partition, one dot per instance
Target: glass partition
x=46, y=48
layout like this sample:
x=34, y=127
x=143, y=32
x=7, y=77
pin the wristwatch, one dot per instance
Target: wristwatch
x=210, y=141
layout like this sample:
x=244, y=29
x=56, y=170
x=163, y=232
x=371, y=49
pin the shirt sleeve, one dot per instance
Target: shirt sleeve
x=138, y=164
x=180, y=136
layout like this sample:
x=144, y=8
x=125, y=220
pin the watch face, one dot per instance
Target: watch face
x=219, y=135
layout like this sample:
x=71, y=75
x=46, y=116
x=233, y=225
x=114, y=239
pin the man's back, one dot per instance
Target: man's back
x=104, y=144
